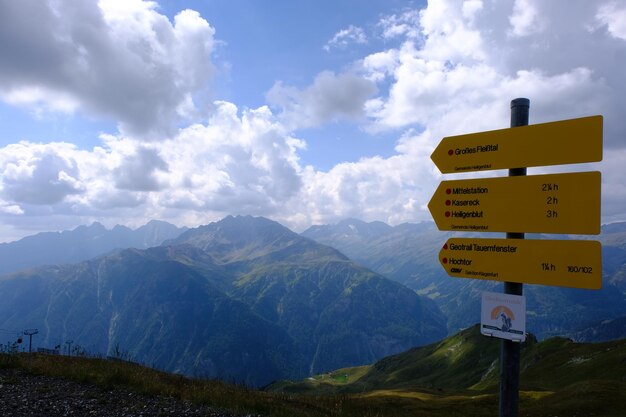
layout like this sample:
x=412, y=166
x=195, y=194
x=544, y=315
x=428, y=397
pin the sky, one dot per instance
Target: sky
x=306, y=112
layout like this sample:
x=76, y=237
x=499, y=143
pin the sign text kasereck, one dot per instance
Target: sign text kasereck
x=553, y=203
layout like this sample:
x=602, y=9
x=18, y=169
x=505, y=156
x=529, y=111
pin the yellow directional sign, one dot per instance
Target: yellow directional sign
x=563, y=142
x=553, y=203
x=565, y=263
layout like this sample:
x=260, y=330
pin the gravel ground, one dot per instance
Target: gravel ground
x=27, y=395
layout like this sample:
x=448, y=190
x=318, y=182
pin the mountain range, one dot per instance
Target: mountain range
x=80, y=244
x=408, y=253
x=244, y=299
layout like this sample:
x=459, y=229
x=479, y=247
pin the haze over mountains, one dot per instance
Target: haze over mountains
x=249, y=300
x=244, y=298
x=408, y=253
x=80, y=244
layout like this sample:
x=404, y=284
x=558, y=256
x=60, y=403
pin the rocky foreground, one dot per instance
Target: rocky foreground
x=25, y=395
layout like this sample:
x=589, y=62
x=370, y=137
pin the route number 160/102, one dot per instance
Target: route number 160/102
x=580, y=269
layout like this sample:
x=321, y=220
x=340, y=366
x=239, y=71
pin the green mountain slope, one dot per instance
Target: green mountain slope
x=336, y=311
x=601, y=332
x=470, y=361
x=243, y=299
x=157, y=311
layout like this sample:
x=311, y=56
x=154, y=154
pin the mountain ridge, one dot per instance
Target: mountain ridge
x=244, y=298
x=80, y=244
x=408, y=254
x=468, y=360
x=311, y=270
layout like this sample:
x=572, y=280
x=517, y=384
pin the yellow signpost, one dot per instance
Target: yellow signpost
x=557, y=203
x=565, y=263
x=553, y=203
x=555, y=143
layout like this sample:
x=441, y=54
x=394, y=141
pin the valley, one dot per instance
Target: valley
x=247, y=300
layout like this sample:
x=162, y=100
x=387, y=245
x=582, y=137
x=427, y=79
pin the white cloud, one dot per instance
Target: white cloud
x=42, y=100
x=11, y=209
x=402, y=25
x=380, y=65
x=343, y=38
x=387, y=189
x=455, y=71
x=39, y=174
x=246, y=163
x=449, y=34
x=138, y=172
x=525, y=19
x=613, y=15
x=330, y=97
x=235, y=163
x=470, y=8
x=452, y=68
x=119, y=60
x=466, y=63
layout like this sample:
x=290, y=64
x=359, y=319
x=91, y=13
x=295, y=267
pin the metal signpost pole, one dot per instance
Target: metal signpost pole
x=510, y=351
x=480, y=205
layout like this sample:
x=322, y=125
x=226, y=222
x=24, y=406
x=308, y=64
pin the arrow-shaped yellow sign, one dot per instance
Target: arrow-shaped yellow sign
x=555, y=143
x=565, y=263
x=553, y=203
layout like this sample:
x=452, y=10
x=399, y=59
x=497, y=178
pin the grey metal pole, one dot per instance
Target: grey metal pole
x=30, y=333
x=509, y=350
